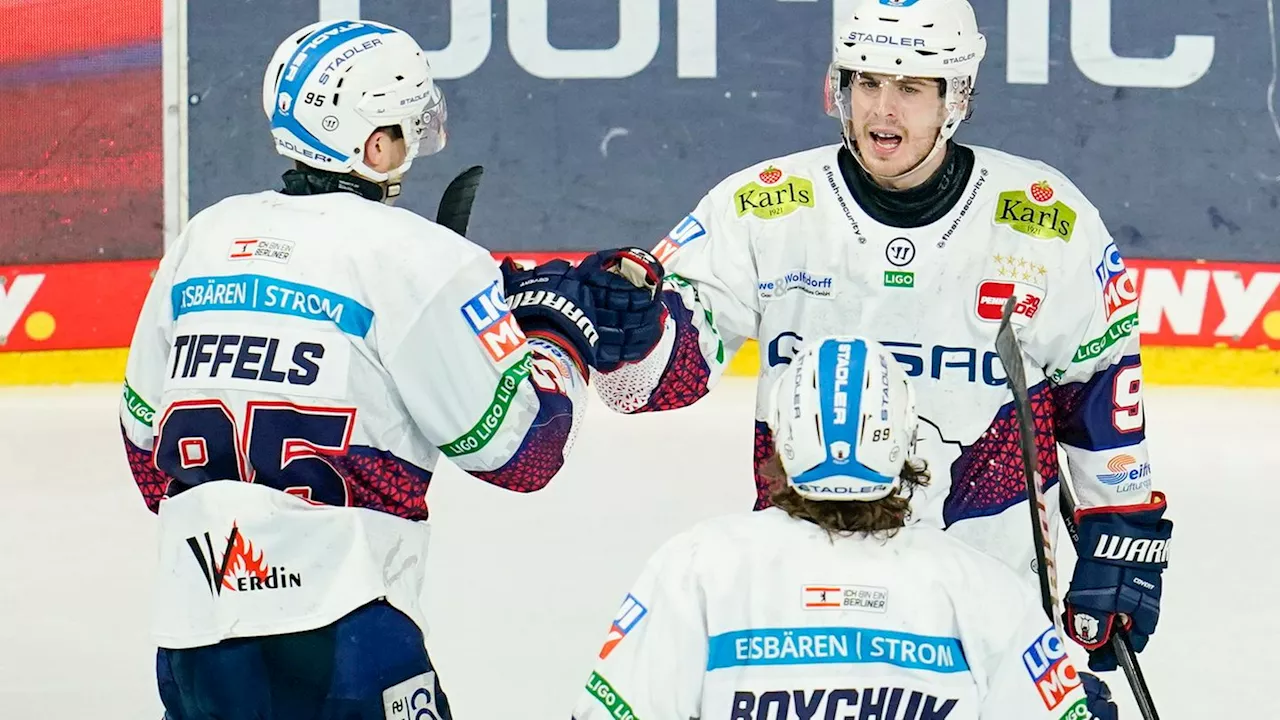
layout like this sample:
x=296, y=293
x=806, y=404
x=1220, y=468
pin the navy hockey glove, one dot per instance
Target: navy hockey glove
x=549, y=302
x=624, y=284
x=1098, y=698
x=1122, y=553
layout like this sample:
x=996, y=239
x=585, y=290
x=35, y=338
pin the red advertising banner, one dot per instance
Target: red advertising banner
x=94, y=305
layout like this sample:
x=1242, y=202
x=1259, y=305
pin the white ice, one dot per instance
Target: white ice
x=525, y=585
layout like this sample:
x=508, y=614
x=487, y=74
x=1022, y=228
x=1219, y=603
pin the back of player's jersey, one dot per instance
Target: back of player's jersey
x=761, y=616
x=278, y=323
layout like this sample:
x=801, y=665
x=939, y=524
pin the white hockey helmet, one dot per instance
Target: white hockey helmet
x=909, y=38
x=844, y=422
x=330, y=85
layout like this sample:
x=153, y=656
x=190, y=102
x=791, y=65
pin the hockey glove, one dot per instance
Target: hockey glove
x=1122, y=553
x=1098, y=698
x=549, y=302
x=630, y=316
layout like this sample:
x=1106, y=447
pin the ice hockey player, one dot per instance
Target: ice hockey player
x=827, y=604
x=302, y=360
x=918, y=241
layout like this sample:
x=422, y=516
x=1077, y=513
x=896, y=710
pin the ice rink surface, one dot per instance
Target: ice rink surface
x=525, y=585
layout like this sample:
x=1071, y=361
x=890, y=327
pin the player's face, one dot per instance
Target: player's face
x=895, y=120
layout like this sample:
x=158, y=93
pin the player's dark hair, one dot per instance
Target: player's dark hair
x=881, y=518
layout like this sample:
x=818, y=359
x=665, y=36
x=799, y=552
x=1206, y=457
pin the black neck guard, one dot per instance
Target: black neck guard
x=913, y=207
x=309, y=181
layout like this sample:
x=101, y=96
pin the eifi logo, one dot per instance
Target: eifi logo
x=492, y=322
x=686, y=232
x=629, y=615
x=1050, y=669
x=1121, y=470
x=239, y=569
x=992, y=295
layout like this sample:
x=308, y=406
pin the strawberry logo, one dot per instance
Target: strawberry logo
x=770, y=175
x=1041, y=192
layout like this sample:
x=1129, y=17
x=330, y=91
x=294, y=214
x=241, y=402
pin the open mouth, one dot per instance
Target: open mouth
x=885, y=142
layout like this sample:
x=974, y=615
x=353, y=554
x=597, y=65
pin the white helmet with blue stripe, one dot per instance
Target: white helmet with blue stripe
x=332, y=84
x=844, y=420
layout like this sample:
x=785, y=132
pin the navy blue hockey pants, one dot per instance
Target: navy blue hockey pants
x=338, y=672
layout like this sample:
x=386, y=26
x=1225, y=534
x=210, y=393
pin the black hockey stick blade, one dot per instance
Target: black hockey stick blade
x=1009, y=349
x=455, y=203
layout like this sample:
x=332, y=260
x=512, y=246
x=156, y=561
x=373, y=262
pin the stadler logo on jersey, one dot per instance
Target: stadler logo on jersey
x=1028, y=212
x=493, y=323
x=240, y=568
x=773, y=197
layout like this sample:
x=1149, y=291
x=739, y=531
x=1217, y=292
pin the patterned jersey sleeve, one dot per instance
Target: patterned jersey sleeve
x=1088, y=342
x=144, y=377
x=655, y=654
x=502, y=407
x=710, y=294
x=1032, y=678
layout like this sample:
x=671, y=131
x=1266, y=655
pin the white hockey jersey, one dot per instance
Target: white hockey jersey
x=759, y=616
x=325, y=350
x=782, y=251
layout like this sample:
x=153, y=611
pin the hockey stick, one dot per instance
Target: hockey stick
x=454, y=211
x=1009, y=348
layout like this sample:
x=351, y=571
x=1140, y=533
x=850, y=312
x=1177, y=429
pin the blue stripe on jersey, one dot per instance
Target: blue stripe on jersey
x=258, y=293
x=835, y=645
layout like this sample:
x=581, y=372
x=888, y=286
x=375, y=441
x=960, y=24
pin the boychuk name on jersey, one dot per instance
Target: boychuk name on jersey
x=882, y=703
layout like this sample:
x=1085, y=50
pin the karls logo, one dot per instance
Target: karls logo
x=769, y=202
x=629, y=615
x=686, y=232
x=1050, y=669
x=1151, y=551
x=1023, y=214
x=1118, y=290
x=492, y=322
x=239, y=569
x=633, y=44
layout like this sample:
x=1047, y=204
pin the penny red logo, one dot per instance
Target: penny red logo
x=992, y=295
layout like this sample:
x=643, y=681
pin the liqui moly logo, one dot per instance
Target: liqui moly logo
x=629, y=615
x=1050, y=669
x=1118, y=288
x=492, y=322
